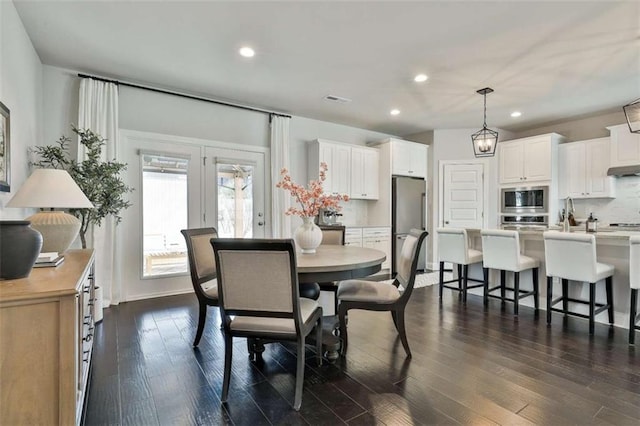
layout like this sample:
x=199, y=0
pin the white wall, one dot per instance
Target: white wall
x=21, y=92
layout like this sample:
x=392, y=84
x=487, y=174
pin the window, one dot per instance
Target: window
x=235, y=200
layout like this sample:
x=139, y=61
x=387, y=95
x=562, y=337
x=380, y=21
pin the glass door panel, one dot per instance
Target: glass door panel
x=235, y=200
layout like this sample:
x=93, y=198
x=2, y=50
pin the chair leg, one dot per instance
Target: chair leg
x=202, y=318
x=460, y=277
x=549, y=298
x=516, y=292
x=485, y=273
x=609, y=285
x=319, y=341
x=465, y=282
x=394, y=315
x=536, y=289
x=503, y=284
x=441, y=276
x=228, y=351
x=342, y=312
x=565, y=296
x=297, y=400
x=592, y=307
x=399, y=314
x=632, y=315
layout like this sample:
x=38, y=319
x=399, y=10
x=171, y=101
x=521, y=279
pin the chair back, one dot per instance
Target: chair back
x=500, y=249
x=333, y=235
x=202, y=265
x=570, y=255
x=258, y=278
x=453, y=245
x=634, y=261
x=408, y=261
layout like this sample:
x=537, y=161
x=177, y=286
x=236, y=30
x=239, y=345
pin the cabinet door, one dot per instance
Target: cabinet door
x=353, y=237
x=401, y=158
x=572, y=170
x=371, y=174
x=511, y=155
x=536, y=159
x=598, y=184
x=382, y=243
x=358, y=190
x=325, y=155
x=419, y=160
x=340, y=172
x=625, y=146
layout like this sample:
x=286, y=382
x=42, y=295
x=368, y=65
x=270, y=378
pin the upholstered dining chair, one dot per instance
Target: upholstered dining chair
x=259, y=298
x=202, y=267
x=332, y=235
x=378, y=296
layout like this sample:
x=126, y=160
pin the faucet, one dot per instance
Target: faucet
x=567, y=211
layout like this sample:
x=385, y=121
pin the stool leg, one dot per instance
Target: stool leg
x=465, y=278
x=503, y=283
x=549, y=298
x=536, y=290
x=441, y=278
x=460, y=277
x=565, y=296
x=609, y=284
x=632, y=315
x=485, y=274
x=592, y=306
x=516, y=292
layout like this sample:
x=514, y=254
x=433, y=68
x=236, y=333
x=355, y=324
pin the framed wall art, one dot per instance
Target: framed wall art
x=5, y=149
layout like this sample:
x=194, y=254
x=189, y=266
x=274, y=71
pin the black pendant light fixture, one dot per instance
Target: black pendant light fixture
x=632, y=113
x=484, y=140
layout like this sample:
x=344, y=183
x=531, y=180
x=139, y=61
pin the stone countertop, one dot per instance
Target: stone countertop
x=602, y=236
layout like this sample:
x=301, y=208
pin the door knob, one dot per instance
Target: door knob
x=446, y=222
x=260, y=223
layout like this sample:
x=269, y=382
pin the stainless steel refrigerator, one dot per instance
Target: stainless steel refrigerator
x=408, y=203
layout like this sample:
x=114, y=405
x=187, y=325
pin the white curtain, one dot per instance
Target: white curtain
x=280, y=199
x=98, y=111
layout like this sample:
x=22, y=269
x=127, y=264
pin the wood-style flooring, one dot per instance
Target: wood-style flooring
x=470, y=365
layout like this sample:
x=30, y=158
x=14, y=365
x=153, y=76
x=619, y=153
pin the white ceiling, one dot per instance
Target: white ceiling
x=550, y=60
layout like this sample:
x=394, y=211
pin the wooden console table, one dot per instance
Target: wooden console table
x=46, y=336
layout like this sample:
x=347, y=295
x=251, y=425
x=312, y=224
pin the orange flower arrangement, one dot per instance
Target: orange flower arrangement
x=313, y=198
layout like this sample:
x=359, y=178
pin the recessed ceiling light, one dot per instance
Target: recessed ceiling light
x=394, y=111
x=516, y=114
x=420, y=78
x=247, y=52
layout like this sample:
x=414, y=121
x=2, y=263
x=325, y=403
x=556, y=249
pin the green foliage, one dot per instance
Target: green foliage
x=99, y=180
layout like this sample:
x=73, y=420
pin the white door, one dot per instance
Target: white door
x=463, y=196
x=181, y=183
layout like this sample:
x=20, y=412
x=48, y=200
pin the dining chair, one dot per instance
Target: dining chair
x=332, y=235
x=202, y=268
x=259, y=298
x=379, y=296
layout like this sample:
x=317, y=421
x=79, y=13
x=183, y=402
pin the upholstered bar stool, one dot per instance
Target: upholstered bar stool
x=634, y=282
x=501, y=250
x=571, y=256
x=453, y=247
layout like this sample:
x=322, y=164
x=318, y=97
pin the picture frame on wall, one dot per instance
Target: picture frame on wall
x=5, y=149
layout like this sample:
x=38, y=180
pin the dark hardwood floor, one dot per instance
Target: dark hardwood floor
x=470, y=365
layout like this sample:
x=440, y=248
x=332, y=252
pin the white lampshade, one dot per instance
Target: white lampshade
x=52, y=188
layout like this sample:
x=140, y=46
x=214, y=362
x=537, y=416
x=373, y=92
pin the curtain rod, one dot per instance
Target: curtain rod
x=183, y=95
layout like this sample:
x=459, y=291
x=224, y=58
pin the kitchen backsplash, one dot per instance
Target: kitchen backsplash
x=625, y=208
x=354, y=213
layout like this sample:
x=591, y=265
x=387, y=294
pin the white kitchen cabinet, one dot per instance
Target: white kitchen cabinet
x=364, y=173
x=338, y=159
x=583, y=169
x=528, y=160
x=625, y=146
x=378, y=238
x=408, y=158
x=353, y=237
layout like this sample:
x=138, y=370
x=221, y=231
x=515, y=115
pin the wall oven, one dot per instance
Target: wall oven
x=524, y=221
x=525, y=201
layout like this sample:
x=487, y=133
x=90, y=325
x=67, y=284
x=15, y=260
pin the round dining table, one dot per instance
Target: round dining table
x=331, y=263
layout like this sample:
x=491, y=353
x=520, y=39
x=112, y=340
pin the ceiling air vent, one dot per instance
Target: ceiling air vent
x=337, y=99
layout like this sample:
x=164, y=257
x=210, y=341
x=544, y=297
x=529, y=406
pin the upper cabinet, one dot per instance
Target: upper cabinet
x=408, y=158
x=528, y=160
x=583, y=169
x=352, y=169
x=365, y=164
x=625, y=146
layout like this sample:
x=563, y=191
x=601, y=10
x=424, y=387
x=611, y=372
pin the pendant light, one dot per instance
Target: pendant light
x=484, y=140
x=632, y=113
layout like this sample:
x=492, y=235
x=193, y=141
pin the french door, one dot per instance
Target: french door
x=183, y=183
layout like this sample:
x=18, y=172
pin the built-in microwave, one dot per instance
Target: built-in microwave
x=525, y=200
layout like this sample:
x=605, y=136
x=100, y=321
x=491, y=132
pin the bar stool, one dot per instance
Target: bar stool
x=453, y=246
x=573, y=257
x=501, y=250
x=634, y=282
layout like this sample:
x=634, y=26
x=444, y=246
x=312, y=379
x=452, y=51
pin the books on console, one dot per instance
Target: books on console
x=48, y=259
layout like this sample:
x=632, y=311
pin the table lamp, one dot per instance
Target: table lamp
x=52, y=188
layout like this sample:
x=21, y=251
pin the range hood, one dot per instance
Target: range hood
x=624, y=171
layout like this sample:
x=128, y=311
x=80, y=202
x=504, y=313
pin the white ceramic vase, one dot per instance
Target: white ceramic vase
x=308, y=236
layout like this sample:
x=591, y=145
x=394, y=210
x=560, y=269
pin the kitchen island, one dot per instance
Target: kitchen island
x=612, y=247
